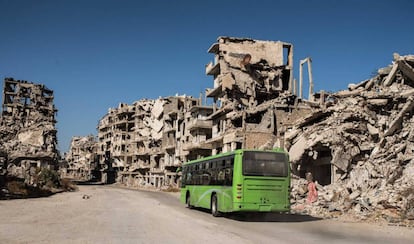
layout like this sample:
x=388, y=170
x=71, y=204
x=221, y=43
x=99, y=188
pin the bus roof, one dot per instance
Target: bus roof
x=238, y=151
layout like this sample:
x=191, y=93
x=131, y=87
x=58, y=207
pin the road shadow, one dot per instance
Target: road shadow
x=264, y=217
x=16, y=188
x=88, y=182
x=271, y=217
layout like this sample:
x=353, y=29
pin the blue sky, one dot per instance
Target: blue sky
x=96, y=54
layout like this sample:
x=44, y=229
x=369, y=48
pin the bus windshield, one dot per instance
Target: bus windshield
x=265, y=164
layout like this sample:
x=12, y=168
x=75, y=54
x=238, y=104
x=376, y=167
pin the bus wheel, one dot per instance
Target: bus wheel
x=188, y=202
x=214, y=208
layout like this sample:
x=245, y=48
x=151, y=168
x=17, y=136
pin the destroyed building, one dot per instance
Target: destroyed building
x=254, y=94
x=28, y=133
x=360, y=147
x=143, y=144
x=81, y=158
x=114, y=133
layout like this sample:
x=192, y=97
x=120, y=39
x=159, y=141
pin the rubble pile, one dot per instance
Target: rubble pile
x=27, y=128
x=360, y=148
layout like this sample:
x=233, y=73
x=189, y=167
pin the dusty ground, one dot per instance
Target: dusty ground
x=102, y=214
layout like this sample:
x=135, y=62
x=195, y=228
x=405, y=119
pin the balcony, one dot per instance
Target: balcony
x=144, y=165
x=189, y=146
x=173, y=163
x=169, y=146
x=200, y=124
x=142, y=152
x=141, y=138
x=212, y=69
x=214, y=92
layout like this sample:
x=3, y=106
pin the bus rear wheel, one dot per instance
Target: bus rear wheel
x=214, y=206
x=188, y=201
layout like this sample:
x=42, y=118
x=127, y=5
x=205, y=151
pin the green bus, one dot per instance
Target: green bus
x=238, y=181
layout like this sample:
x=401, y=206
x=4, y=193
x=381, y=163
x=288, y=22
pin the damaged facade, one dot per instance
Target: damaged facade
x=360, y=147
x=28, y=134
x=143, y=144
x=81, y=158
x=254, y=94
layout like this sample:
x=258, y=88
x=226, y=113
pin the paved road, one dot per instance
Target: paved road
x=114, y=215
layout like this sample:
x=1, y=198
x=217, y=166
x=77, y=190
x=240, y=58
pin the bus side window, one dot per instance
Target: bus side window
x=229, y=163
x=200, y=173
x=220, y=176
x=196, y=174
x=209, y=173
x=189, y=178
x=206, y=179
x=220, y=172
x=228, y=181
x=184, y=177
x=213, y=173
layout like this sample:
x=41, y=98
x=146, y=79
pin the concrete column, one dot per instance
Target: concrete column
x=302, y=62
x=310, y=97
x=233, y=146
x=295, y=91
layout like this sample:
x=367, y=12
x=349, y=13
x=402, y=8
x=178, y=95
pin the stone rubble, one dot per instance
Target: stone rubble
x=359, y=146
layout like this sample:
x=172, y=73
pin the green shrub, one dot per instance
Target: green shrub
x=48, y=178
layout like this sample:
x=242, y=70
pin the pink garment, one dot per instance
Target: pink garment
x=312, y=193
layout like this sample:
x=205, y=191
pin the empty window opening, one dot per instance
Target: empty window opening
x=321, y=167
x=254, y=118
x=238, y=123
x=239, y=145
x=286, y=54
